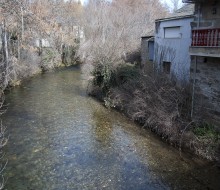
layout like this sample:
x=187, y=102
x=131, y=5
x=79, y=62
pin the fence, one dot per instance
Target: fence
x=206, y=37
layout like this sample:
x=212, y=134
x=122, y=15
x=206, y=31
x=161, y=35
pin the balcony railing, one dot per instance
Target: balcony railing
x=206, y=37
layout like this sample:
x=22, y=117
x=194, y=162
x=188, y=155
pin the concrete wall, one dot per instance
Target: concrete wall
x=174, y=50
x=205, y=51
x=207, y=89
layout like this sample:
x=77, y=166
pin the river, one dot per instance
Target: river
x=61, y=139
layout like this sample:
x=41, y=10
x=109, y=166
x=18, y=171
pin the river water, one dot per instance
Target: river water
x=61, y=139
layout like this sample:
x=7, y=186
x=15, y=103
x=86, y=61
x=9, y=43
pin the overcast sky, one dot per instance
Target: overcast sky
x=166, y=1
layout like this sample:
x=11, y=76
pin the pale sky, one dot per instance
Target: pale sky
x=166, y=1
x=83, y=1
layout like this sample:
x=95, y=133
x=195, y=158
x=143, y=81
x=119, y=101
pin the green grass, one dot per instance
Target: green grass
x=206, y=130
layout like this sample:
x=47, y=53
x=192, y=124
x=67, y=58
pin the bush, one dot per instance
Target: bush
x=152, y=101
x=50, y=59
x=157, y=103
x=206, y=141
x=106, y=76
x=103, y=76
x=125, y=73
x=206, y=130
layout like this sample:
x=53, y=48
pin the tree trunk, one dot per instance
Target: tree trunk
x=40, y=47
x=5, y=55
x=22, y=25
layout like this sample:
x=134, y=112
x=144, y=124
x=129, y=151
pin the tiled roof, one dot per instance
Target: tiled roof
x=186, y=10
x=193, y=1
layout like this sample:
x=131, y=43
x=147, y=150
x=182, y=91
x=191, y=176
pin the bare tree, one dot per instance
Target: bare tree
x=31, y=25
x=113, y=30
x=175, y=4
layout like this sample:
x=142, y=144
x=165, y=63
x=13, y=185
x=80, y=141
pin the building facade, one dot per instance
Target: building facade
x=205, y=60
x=172, y=42
x=147, y=49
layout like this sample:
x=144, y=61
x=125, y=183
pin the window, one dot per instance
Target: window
x=166, y=67
x=172, y=32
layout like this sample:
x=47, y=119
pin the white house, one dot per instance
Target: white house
x=172, y=42
x=42, y=43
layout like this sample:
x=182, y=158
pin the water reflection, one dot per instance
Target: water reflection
x=62, y=139
x=102, y=128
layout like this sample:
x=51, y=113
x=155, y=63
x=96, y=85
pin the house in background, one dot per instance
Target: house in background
x=172, y=42
x=147, y=49
x=42, y=43
x=205, y=59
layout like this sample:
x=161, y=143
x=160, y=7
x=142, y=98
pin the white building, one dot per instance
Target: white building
x=172, y=42
x=42, y=43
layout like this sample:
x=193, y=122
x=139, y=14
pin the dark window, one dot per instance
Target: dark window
x=166, y=67
x=214, y=10
x=214, y=3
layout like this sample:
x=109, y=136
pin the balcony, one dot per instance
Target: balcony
x=205, y=42
x=206, y=37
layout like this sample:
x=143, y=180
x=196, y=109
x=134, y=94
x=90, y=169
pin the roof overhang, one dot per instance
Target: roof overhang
x=147, y=36
x=174, y=18
x=193, y=1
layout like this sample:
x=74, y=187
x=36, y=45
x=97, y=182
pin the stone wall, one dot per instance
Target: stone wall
x=210, y=14
x=207, y=89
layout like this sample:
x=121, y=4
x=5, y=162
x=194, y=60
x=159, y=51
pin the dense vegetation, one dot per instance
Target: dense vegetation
x=152, y=99
x=36, y=35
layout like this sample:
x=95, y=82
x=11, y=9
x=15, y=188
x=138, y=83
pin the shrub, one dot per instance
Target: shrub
x=50, y=59
x=206, y=130
x=103, y=76
x=157, y=103
x=125, y=73
x=107, y=76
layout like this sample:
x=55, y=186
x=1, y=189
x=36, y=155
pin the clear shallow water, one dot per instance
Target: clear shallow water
x=61, y=139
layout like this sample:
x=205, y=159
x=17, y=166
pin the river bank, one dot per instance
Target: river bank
x=60, y=138
x=155, y=103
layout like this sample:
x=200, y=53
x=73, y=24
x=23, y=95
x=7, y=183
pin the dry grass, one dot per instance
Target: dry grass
x=157, y=103
x=152, y=102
